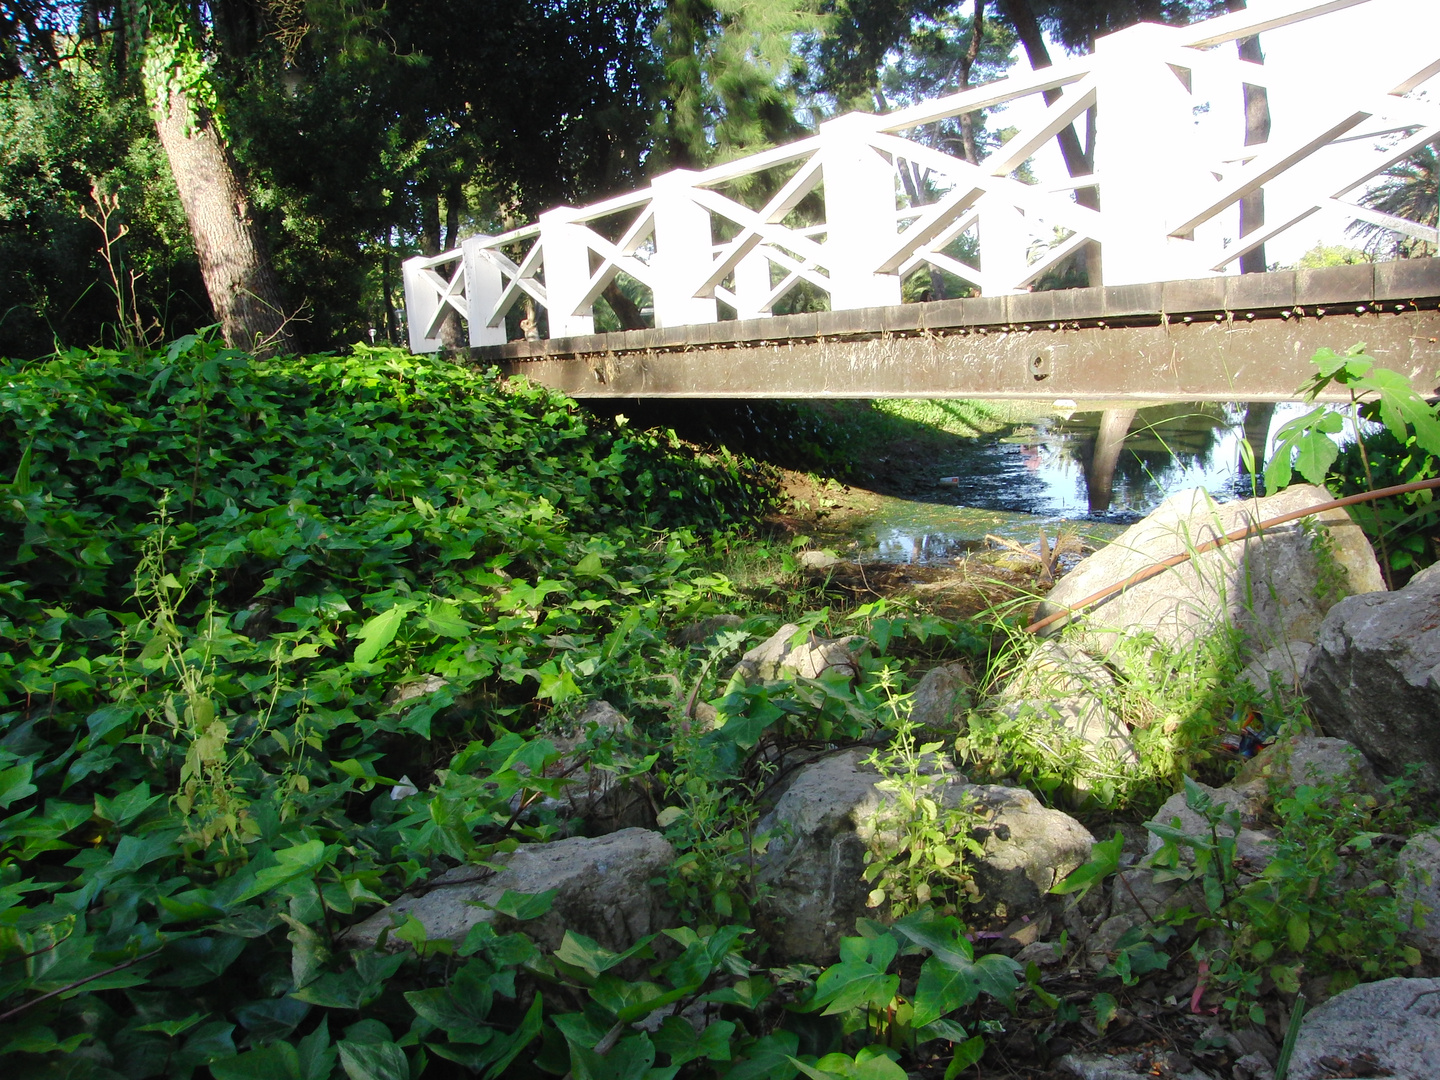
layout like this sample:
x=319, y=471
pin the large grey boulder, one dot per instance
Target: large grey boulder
x=1029, y=848
x=1419, y=891
x=604, y=893
x=594, y=800
x=1252, y=846
x=1374, y=676
x=1275, y=587
x=813, y=869
x=1280, y=667
x=1389, y=1028
x=1059, y=685
x=1308, y=759
x=942, y=697
x=777, y=658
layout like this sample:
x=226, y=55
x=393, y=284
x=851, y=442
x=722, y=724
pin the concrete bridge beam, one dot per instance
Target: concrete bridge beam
x=1247, y=338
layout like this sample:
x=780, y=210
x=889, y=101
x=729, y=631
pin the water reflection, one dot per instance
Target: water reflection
x=1130, y=459
x=1101, y=469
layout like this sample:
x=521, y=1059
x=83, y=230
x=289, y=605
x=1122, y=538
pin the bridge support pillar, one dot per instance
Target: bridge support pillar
x=859, y=214
x=482, y=289
x=683, y=245
x=567, y=273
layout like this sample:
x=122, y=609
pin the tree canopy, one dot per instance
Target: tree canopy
x=355, y=133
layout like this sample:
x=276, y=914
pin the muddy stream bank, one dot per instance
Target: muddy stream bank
x=959, y=520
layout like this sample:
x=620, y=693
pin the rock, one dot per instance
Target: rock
x=1420, y=884
x=813, y=869
x=1251, y=845
x=1137, y=899
x=698, y=633
x=1100, y=1066
x=1059, y=684
x=1029, y=848
x=1286, y=661
x=1043, y=953
x=1308, y=759
x=942, y=697
x=604, y=893
x=775, y=658
x=1275, y=588
x=1129, y=1066
x=1250, y=1042
x=1253, y=1067
x=1374, y=677
x=398, y=695
x=707, y=717
x=818, y=560
x=594, y=799
x=1388, y=1028
x=814, y=864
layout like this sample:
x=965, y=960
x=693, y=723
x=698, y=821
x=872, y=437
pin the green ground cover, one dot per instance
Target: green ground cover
x=245, y=600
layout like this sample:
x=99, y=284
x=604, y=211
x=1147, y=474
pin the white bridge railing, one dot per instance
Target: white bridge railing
x=1170, y=169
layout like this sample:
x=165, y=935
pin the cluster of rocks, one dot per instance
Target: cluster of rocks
x=1310, y=603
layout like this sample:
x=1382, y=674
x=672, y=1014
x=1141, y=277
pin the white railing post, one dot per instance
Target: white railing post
x=1147, y=153
x=752, y=286
x=482, y=289
x=422, y=301
x=682, y=251
x=859, y=214
x=1004, y=239
x=567, y=273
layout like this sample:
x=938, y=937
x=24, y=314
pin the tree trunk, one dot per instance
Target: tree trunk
x=967, y=63
x=1077, y=160
x=1257, y=131
x=454, y=196
x=1022, y=17
x=392, y=325
x=452, y=334
x=626, y=310
x=233, y=261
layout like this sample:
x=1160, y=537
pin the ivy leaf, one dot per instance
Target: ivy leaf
x=508, y=1047
x=290, y=863
x=749, y=722
x=587, y=954
x=632, y=1001
x=677, y=1038
x=850, y=985
x=942, y=989
x=770, y=1058
x=278, y=1061
x=456, y=1018
x=15, y=784
x=1104, y=861
x=1106, y=1008
x=378, y=631
x=525, y=906
x=966, y=1054
x=373, y=1061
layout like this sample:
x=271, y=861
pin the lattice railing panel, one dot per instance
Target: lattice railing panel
x=1169, y=168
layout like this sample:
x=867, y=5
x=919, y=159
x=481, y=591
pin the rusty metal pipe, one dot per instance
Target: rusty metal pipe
x=1230, y=537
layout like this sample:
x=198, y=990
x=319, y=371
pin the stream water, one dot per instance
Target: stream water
x=1071, y=473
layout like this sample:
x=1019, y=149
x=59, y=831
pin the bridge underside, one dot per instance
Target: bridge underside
x=1247, y=338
